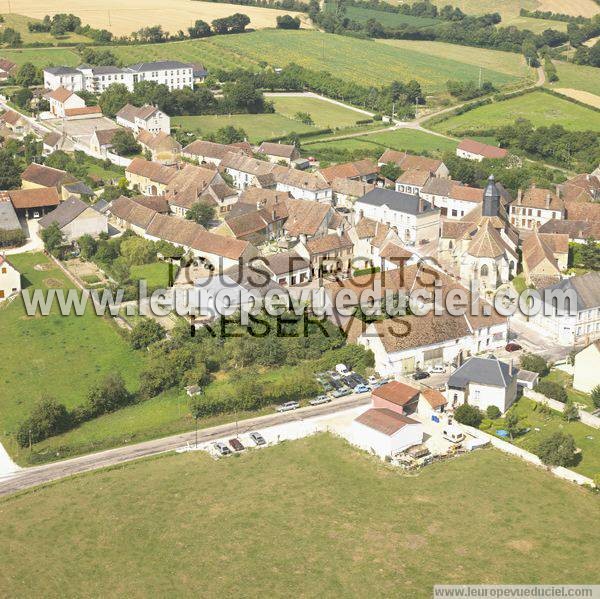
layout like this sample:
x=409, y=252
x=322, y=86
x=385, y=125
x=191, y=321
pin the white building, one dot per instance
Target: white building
x=385, y=432
x=62, y=99
x=587, y=371
x=475, y=150
x=415, y=220
x=536, y=207
x=483, y=382
x=571, y=311
x=76, y=218
x=147, y=118
x=10, y=279
x=452, y=198
x=172, y=73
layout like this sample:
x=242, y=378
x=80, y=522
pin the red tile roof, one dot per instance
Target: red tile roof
x=385, y=421
x=396, y=393
x=485, y=150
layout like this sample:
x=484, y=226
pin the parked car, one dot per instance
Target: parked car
x=288, y=406
x=362, y=389
x=342, y=369
x=258, y=438
x=510, y=347
x=222, y=449
x=437, y=369
x=236, y=444
x=321, y=399
x=361, y=379
x=336, y=385
x=341, y=392
x=420, y=374
x=372, y=379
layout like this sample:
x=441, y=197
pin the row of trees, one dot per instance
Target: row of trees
x=240, y=96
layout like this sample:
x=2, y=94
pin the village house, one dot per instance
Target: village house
x=406, y=162
x=188, y=185
x=129, y=213
x=535, y=207
x=413, y=180
x=210, y=152
x=67, y=77
x=586, y=371
x=307, y=220
x=33, y=203
x=77, y=189
x=161, y=146
x=415, y=220
x=576, y=320
x=221, y=196
x=397, y=397
x=16, y=124
x=101, y=141
x=365, y=170
x=578, y=231
x=476, y=150
x=54, y=141
x=254, y=225
x=151, y=178
x=10, y=279
x=278, y=153
x=370, y=237
x=454, y=199
x=288, y=268
x=9, y=221
x=39, y=175
x=483, y=382
x=545, y=256
x=581, y=188
x=328, y=254
x=247, y=171
x=144, y=118
x=7, y=68
x=346, y=191
x=431, y=404
x=62, y=99
x=76, y=218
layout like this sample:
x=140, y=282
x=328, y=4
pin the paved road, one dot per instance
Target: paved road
x=31, y=477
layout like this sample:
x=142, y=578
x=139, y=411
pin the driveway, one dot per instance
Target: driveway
x=34, y=243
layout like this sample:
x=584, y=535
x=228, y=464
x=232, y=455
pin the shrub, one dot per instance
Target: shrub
x=493, y=412
x=145, y=333
x=596, y=396
x=485, y=424
x=108, y=395
x=552, y=390
x=469, y=415
x=558, y=449
x=570, y=413
x=534, y=363
x=48, y=418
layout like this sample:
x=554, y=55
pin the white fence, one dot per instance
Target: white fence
x=507, y=447
x=118, y=160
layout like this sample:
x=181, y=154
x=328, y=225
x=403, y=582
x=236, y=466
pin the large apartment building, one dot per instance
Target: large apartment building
x=95, y=79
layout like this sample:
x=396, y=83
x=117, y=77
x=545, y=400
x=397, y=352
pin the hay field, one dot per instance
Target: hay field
x=510, y=8
x=586, y=8
x=123, y=18
x=586, y=97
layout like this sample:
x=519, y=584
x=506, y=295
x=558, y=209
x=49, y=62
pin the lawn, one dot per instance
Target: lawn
x=324, y=114
x=43, y=57
x=156, y=274
x=310, y=518
x=540, y=108
x=566, y=380
x=389, y=19
x=258, y=127
x=586, y=437
x=54, y=355
x=19, y=23
x=376, y=143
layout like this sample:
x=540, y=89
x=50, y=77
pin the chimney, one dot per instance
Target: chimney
x=548, y=198
x=520, y=196
x=303, y=238
x=340, y=230
x=258, y=206
x=420, y=203
x=273, y=215
x=558, y=192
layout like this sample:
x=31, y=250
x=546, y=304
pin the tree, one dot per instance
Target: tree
x=589, y=254
x=10, y=173
x=11, y=38
x=596, y=396
x=570, y=412
x=558, y=449
x=469, y=415
x=113, y=98
x=137, y=250
x=511, y=423
x=493, y=412
x=87, y=246
x=304, y=117
x=243, y=96
x=22, y=97
x=103, y=58
x=48, y=418
x=52, y=237
x=201, y=213
x=146, y=332
x=552, y=390
x=108, y=395
x=229, y=135
x=199, y=29
x=288, y=22
x=390, y=171
x=27, y=75
x=534, y=364
x=124, y=144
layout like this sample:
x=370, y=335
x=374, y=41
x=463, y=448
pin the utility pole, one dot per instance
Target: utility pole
x=480, y=81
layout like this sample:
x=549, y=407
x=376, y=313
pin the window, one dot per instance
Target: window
x=484, y=270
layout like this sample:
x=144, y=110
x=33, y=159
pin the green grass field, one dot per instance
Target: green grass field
x=60, y=356
x=540, y=108
x=310, y=518
x=43, y=57
x=402, y=139
x=324, y=114
x=19, y=23
x=390, y=19
x=586, y=437
x=257, y=126
x=577, y=77
x=156, y=274
x=566, y=380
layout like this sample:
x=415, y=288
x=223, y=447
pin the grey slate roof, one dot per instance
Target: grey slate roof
x=65, y=213
x=79, y=187
x=586, y=288
x=484, y=371
x=62, y=71
x=8, y=217
x=395, y=200
x=159, y=65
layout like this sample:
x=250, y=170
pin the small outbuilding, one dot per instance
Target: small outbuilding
x=76, y=218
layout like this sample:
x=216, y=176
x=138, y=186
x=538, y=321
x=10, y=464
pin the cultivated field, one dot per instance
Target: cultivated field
x=540, y=108
x=123, y=18
x=313, y=518
x=55, y=355
x=586, y=8
x=510, y=8
x=376, y=143
x=324, y=114
x=258, y=127
x=585, y=97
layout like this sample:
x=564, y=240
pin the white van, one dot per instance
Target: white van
x=342, y=369
x=452, y=433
